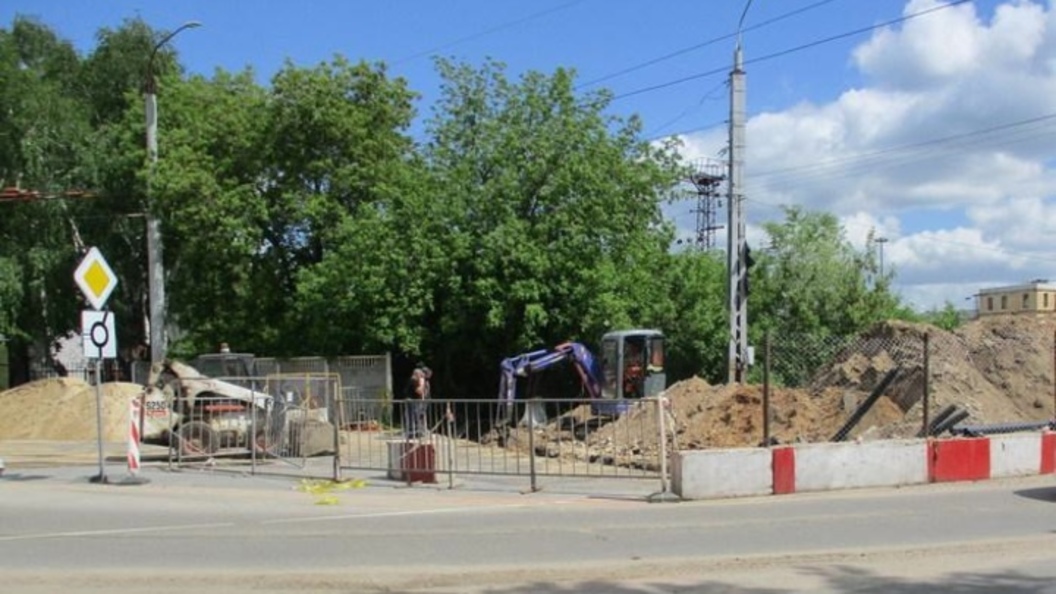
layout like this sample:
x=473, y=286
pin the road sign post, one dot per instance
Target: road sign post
x=97, y=281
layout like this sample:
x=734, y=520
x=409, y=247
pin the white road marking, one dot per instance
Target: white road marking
x=113, y=532
x=415, y=512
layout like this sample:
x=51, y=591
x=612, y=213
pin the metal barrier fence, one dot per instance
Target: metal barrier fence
x=537, y=438
x=291, y=417
x=299, y=416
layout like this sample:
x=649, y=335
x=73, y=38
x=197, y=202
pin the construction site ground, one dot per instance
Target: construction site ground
x=999, y=369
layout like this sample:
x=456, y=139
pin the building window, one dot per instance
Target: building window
x=1026, y=301
x=1004, y=302
x=989, y=304
x=1045, y=300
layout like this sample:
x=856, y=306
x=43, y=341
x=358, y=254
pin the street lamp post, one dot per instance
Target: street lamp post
x=881, y=241
x=155, y=267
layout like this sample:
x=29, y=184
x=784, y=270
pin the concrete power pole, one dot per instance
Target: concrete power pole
x=155, y=266
x=737, y=282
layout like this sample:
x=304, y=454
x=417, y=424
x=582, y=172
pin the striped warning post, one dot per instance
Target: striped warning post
x=133, y=436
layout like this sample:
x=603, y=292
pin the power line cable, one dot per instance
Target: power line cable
x=695, y=47
x=860, y=169
x=486, y=32
x=791, y=50
x=714, y=124
x=905, y=147
x=933, y=150
x=688, y=110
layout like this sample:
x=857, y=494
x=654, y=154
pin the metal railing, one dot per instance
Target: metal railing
x=552, y=437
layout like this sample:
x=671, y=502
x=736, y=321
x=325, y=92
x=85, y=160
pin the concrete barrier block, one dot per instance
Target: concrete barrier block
x=890, y=463
x=1048, y=452
x=1015, y=454
x=784, y=466
x=959, y=459
x=712, y=474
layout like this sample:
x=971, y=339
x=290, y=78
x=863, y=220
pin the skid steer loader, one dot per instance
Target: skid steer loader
x=201, y=415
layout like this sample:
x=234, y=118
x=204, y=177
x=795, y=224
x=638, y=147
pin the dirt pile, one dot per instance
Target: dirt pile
x=998, y=369
x=64, y=409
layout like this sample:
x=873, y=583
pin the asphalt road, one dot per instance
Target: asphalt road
x=212, y=532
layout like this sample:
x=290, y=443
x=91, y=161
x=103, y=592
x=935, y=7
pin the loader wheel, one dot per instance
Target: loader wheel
x=197, y=439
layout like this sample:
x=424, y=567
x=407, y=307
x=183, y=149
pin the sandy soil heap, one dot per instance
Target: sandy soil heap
x=64, y=409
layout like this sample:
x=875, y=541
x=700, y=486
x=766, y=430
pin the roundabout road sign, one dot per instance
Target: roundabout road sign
x=98, y=336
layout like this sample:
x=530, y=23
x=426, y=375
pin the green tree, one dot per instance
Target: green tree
x=947, y=317
x=694, y=318
x=43, y=139
x=811, y=288
x=810, y=280
x=271, y=200
x=548, y=218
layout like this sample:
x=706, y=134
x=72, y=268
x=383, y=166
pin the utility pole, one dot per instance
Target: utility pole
x=737, y=357
x=155, y=265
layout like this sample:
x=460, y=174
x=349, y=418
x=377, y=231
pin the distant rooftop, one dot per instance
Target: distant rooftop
x=1042, y=284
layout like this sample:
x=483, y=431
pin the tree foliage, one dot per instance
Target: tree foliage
x=300, y=218
x=810, y=280
x=43, y=138
x=550, y=228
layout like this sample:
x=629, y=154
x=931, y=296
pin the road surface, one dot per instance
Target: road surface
x=216, y=532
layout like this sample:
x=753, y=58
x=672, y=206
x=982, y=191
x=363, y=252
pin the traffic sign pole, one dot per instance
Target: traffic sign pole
x=97, y=281
x=101, y=477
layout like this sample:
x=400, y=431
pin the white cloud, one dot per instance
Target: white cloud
x=928, y=51
x=947, y=149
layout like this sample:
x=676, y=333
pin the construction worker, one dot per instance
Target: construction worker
x=415, y=425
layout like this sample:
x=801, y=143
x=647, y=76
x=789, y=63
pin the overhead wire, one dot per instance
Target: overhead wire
x=701, y=45
x=791, y=50
x=688, y=110
x=1048, y=117
x=489, y=31
x=934, y=149
x=702, y=128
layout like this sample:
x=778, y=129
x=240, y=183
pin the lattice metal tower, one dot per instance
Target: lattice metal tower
x=707, y=177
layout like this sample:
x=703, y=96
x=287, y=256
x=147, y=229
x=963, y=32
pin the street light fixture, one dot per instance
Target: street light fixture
x=155, y=267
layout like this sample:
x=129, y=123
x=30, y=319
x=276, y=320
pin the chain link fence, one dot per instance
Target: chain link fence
x=905, y=380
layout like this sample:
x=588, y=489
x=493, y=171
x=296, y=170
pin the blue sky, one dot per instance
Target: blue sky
x=856, y=124
x=596, y=37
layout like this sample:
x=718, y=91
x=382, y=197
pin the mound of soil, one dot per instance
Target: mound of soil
x=999, y=369
x=64, y=409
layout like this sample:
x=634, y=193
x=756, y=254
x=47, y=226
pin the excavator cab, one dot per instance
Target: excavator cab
x=632, y=363
x=631, y=366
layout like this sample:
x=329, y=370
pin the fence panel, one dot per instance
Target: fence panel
x=841, y=387
x=528, y=438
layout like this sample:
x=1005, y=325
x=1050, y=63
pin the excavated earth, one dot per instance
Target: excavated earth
x=998, y=370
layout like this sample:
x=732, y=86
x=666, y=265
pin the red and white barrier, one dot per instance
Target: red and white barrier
x=709, y=474
x=952, y=460
x=134, y=409
x=1048, y=453
x=851, y=465
x=1015, y=454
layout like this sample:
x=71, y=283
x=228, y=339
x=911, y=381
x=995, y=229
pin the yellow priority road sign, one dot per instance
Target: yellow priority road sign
x=95, y=278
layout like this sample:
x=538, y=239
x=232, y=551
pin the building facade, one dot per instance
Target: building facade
x=1033, y=297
